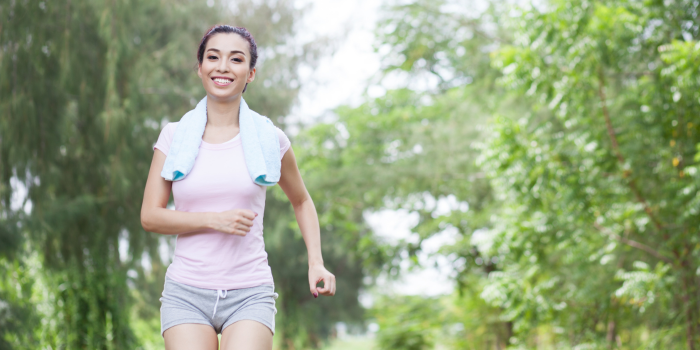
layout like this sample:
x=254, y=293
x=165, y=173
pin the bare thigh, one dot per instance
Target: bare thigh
x=246, y=335
x=191, y=336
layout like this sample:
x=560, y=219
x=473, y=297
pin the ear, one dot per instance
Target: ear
x=251, y=76
x=199, y=70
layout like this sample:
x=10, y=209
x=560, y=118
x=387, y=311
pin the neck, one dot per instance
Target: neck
x=223, y=113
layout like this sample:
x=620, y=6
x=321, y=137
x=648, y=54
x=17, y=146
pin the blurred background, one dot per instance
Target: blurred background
x=488, y=174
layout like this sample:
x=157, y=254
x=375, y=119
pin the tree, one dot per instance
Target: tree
x=413, y=146
x=582, y=206
x=599, y=177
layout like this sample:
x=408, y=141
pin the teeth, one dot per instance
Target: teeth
x=222, y=81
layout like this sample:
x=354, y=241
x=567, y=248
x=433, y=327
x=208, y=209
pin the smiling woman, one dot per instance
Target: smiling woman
x=220, y=280
x=216, y=55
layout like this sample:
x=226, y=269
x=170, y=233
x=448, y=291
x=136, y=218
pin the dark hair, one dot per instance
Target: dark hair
x=227, y=29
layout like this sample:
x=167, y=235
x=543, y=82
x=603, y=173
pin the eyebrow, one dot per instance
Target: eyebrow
x=233, y=51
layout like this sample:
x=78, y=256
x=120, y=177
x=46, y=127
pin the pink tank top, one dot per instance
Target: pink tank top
x=219, y=181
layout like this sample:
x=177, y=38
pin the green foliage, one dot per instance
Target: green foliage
x=403, y=151
x=458, y=321
x=596, y=176
x=408, y=323
x=20, y=322
x=76, y=130
x=305, y=321
x=584, y=232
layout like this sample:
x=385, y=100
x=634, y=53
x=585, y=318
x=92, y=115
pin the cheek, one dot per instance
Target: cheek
x=243, y=73
x=205, y=69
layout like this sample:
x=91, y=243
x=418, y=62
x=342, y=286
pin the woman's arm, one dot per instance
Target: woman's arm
x=305, y=211
x=156, y=218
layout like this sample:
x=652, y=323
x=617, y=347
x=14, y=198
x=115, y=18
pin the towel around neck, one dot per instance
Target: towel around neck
x=261, y=147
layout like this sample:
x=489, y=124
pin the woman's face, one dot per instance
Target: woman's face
x=225, y=67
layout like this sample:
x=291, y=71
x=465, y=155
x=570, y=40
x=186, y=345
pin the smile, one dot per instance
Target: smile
x=222, y=81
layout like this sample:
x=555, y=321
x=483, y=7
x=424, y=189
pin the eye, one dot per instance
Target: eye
x=238, y=60
x=212, y=57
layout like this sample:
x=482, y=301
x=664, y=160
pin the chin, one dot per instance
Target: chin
x=220, y=94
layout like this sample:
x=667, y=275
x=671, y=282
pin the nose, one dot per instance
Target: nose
x=222, y=66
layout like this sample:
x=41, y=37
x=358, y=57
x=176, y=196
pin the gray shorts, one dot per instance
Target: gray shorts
x=182, y=304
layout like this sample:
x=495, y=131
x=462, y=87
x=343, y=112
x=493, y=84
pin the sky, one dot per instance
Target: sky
x=341, y=78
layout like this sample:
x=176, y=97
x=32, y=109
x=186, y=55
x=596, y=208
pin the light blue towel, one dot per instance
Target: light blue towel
x=261, y=145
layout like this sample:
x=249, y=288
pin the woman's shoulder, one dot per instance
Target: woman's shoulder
x=166, y=137
x=169, y=130
x=284, y=141
x=170, y=127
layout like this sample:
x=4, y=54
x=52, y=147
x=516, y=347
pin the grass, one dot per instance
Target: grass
x=351, y=344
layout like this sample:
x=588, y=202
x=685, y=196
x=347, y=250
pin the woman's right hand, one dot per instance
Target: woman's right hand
x=236, y=222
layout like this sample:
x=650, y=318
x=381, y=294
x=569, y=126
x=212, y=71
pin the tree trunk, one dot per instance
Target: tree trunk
x=610, y=336
x=689, y=303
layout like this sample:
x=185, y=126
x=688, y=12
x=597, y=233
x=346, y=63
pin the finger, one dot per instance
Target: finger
x=231, y=229
x=326, y=289
x=312, y=288
x=331, y=285
x=248, y=214
x=240, y=233
x=245, y=222
x=240, y=230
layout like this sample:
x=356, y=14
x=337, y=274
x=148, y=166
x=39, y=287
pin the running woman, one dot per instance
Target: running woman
x=220, y=280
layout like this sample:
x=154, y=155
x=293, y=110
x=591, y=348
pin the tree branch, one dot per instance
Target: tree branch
x=632, y=243
x=616, y=150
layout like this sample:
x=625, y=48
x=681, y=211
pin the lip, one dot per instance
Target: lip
x=220, y=84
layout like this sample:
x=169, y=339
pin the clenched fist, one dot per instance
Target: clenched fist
x=236, y=222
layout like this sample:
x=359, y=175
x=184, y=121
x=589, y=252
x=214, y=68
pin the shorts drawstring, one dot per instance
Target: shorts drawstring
x=220, y=293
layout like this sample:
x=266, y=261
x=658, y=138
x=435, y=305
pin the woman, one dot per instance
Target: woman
x=220, y=281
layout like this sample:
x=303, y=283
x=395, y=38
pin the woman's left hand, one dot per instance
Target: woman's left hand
x=318, y=273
